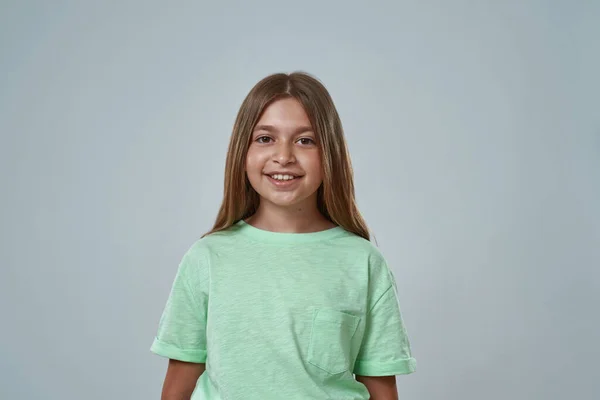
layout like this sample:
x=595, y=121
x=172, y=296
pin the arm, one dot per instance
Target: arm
x=380, y=387
x=181, y=380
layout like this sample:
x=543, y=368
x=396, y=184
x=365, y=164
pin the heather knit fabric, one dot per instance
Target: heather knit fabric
x=284, y=315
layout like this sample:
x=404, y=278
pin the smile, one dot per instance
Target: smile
x=282, y=177
x=283, y=180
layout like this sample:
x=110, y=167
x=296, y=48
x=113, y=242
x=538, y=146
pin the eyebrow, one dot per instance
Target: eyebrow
x=271, y=128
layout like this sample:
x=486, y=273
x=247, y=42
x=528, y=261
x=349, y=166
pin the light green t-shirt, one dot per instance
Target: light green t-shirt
x=284, y=315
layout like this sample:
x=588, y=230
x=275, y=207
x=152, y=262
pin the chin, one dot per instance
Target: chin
x=282, y=202
x=283, y=199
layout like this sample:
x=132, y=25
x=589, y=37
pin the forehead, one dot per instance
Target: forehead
x=284, y=112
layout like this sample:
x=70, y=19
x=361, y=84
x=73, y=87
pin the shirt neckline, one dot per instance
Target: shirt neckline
x=287, y=237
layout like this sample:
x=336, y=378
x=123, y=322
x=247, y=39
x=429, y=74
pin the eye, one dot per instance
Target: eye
x=306, y=141
x=263, y=139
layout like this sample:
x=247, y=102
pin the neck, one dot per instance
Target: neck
x=294, y=219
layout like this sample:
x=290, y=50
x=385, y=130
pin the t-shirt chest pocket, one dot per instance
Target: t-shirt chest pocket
x=331, y=340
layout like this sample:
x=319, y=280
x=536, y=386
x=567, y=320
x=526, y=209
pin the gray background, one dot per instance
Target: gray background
x=474, y=129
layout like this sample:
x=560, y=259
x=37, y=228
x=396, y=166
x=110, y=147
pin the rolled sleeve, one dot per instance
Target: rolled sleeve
x=182, y=328
x=378, y=368
x=176, y=353
x=385, y=348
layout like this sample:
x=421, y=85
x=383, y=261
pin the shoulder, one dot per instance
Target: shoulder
x=361, y=248
x=195, y=264
x=203, y=247
x=371, y=258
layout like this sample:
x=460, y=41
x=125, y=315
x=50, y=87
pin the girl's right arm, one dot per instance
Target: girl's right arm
x=181, y=379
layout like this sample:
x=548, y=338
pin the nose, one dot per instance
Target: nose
x=284, y=154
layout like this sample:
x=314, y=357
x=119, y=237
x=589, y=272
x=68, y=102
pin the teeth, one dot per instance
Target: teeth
x=280, y=177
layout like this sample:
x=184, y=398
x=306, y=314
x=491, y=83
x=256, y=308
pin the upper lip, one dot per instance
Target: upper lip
x=283, y=173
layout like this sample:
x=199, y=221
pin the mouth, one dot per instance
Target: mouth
x=283, y=177
x=283, y=180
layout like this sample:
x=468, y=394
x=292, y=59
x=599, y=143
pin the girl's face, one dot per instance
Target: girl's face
x=284, y=162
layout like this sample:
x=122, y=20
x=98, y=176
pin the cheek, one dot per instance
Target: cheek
x=313, y=165
x=252, y=163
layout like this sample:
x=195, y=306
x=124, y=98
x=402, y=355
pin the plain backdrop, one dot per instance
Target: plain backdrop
x=474, y=130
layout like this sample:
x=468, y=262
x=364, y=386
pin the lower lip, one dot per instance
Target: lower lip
x=283, y=184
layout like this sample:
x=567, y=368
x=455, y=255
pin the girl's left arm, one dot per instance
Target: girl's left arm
x=380, y=387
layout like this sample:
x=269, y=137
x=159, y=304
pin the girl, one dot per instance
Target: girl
x=286, y=297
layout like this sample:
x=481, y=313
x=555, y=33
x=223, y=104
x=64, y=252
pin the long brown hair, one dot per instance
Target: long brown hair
x=335, y=197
